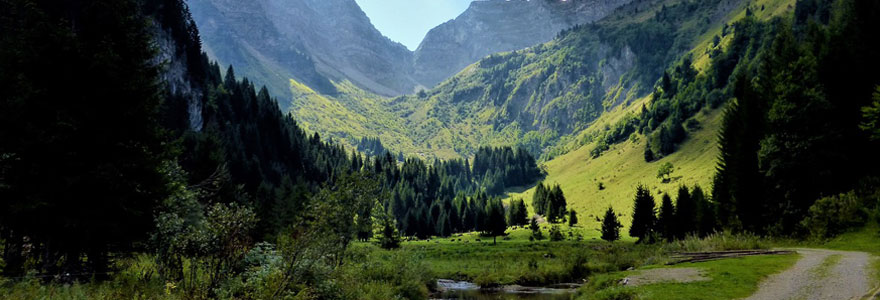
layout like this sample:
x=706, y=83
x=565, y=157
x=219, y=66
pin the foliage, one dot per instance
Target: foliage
x=644, y=218
x=830, y=216
x=517, y=213
x=572, y=218
x=82, y=149
x=666, y=221
x=795, y=121
x=550, y=202
x=432, y=200
x=538, y=97
x=718, y=241
x=871, y=115
x=535, y=229
x=556, y=234
x=201, y=245
x=610, y=226
x=664, y=171
x=390, y=238
x=371, y=146
x=495, y=223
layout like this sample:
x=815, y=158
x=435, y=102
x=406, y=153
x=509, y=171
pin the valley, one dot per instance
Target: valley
x=527, y=149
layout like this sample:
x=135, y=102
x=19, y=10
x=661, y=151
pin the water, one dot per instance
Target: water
x=468, y=291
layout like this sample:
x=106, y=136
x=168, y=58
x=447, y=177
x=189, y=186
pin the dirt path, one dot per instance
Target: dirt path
x=820, y=274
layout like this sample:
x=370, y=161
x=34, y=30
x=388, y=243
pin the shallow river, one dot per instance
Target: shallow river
x=468, y=291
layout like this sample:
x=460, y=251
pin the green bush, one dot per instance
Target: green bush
x=719, y=241
x=833, y=215
x=604, y=287
x=556, y=234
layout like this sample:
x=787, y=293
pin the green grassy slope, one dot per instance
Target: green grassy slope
x=623, y=167
x=348, y=116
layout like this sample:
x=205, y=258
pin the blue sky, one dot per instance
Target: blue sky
x=407, y=21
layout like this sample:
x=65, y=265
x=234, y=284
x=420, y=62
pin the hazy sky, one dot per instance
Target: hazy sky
x=407, y=21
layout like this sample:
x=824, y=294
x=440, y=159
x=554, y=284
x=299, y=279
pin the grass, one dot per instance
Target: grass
x=516, y=260
x=729, y=279
x=824, y=269
x=623, y=167
x=348, y=116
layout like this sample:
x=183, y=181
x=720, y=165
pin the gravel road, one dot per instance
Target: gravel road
x=820, y=274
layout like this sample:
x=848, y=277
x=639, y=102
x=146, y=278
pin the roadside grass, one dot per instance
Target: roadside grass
x=865, y=239
x=729, y=279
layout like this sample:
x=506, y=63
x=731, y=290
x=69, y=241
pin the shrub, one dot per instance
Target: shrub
x=833, y=215
x=720, y=241
x=556, y=234
x=605, y=287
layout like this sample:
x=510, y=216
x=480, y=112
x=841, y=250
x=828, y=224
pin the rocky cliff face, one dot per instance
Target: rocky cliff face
x=312, y=41
x=240, y=33
x=491, y=26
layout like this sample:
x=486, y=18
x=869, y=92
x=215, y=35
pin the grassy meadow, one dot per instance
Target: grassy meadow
x=623, y=167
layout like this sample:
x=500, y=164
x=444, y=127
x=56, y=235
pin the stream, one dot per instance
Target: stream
x=463, y=290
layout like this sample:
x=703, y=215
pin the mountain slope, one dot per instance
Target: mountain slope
x=312, y=41
x=538, y=96
x=493, y=26
x=622, y=166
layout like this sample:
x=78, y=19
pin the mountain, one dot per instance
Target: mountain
x=315, y=42
x=548, y=93
x=331, y=67
x=493, y=26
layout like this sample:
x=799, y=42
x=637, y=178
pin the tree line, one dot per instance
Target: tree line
x=448, y=197
x=550, y=202
x=692, y=214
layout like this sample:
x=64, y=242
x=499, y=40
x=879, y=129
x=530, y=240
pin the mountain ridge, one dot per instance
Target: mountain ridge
x=493, y=26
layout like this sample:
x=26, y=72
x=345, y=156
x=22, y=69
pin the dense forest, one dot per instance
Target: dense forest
x=798, y=151
x=197, y=167
x=793, y=133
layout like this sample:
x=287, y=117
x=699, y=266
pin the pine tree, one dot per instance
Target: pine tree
x=572, y=218
x=685, y=213
x=390, y=238
x=539, y=200
x=495, y=223
x=536, y=230
x=644, y=217
x=556, y=205
x=666, y=218
x=705, y=212
x=610, y=226
x=517, y=213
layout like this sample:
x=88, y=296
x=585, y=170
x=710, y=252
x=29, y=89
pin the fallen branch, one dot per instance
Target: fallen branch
x=683, y=257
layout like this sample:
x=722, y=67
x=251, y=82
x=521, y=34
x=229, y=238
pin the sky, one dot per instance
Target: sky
x=407, y=21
